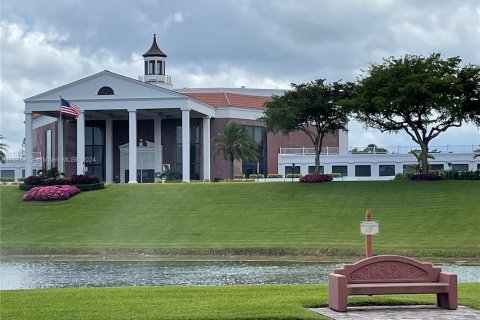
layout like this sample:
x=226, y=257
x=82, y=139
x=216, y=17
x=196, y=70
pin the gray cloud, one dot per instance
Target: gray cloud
x=221, y=43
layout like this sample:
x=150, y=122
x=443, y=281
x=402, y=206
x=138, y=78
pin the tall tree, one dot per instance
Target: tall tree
x=236, y=144
x=3, y=150
x=312, y=108
x=423, y=96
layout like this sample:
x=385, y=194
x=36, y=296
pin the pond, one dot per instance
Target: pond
x=56, y=274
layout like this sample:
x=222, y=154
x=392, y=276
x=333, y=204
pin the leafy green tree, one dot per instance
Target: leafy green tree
x=3, y=150
x=422, y=96
x=312, y=108
x=236, y=144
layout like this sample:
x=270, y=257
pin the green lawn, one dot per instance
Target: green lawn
x=418, y=218
x=224, y=302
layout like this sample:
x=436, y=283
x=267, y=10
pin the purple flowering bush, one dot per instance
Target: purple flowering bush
x=84, y=179
x=62, y=192
x=316, y=178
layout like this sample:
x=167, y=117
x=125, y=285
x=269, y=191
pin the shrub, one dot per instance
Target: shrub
x=240, y=177
x=316, y=178
x=51, y=193
x=426, y=176
x=84, y=179
x=256, y=176
x=336, y=175
x=274, y=175
x=460, y=175
x=294, y=175
x=170, y=175
x=34, y=181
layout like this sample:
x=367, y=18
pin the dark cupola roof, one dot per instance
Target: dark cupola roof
x=154, y=50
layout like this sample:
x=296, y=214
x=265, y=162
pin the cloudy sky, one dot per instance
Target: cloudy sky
x=222, y=43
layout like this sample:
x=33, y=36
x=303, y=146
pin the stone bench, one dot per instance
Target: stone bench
x=391, y=274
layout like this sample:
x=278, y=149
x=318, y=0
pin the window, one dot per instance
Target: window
x=151, y=67
x=460, y=167
x=343, y=170
x=409, y=168
x=194, y=151
x=105, y=91
x=290, y=169
x=436, y=167
x=95, y=149
x=158, y=71
x=259, y=135
x=311, y=169
x=363, y=170
x=143, y=176
x=7, y=174
x=386, y=170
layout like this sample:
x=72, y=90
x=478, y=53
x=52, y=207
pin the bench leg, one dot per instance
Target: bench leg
x=337, y=292
x=448, y=300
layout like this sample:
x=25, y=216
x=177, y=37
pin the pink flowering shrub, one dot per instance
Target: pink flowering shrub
x=316, y=178
x=62, y=192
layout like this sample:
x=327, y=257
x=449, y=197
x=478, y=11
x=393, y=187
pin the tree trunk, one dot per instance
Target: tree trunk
x=424, y=157
x=232, y=168
x=318, y=151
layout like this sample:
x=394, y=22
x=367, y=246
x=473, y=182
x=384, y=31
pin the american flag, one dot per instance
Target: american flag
x=69, y=108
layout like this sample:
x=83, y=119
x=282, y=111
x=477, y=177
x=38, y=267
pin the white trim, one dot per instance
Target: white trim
x=206, y=148
x=186, y=145
x=108, y=151
x=42, y=121
x=28, y=144
x=81, y=143
x=132, y=146
x=60, y=155
x=238, y=113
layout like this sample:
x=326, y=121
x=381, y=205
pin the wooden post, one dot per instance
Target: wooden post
x=368, y=238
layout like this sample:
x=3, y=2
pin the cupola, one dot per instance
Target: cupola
x=154, y=60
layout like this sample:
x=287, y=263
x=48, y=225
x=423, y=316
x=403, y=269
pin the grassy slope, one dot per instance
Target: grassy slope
x=227, y=302
x=439, y=218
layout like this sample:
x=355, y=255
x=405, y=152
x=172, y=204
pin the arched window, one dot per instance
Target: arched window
x=105, y=91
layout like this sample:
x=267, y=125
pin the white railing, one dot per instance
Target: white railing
x=406, y=149
x=15, y=157
x=383, y=150
x=309, y=151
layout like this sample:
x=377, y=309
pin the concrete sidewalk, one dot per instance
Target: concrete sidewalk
x=419, y=312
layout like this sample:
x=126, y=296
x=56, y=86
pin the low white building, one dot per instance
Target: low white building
x=370, y=163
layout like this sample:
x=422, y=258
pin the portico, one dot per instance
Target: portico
x=100, y=128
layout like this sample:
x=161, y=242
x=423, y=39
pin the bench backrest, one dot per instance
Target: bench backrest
x=389, y=269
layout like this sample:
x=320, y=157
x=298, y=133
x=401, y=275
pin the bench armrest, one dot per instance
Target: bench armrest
x=337, y=292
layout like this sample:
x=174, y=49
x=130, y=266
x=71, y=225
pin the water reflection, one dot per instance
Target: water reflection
x=53, y=274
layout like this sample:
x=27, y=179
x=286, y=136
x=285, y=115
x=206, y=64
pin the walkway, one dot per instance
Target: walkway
x=421, y=312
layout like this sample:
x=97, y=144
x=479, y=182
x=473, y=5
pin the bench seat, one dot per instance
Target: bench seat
x=397, y=288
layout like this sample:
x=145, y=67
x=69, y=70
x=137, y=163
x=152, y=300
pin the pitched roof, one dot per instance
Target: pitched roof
x=154, y=50
x=223, y=99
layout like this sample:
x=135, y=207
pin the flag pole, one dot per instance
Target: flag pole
x=60, y=162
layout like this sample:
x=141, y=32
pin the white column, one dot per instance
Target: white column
x=157, y=128
x=342, y=142
x=28, y=144
x=132, y=146
x=81, y=143
x=60, y=157
x=206, y=148
x=186, y=144
x=108, y=151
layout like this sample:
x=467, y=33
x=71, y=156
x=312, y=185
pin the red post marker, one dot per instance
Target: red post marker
x=368, y=238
